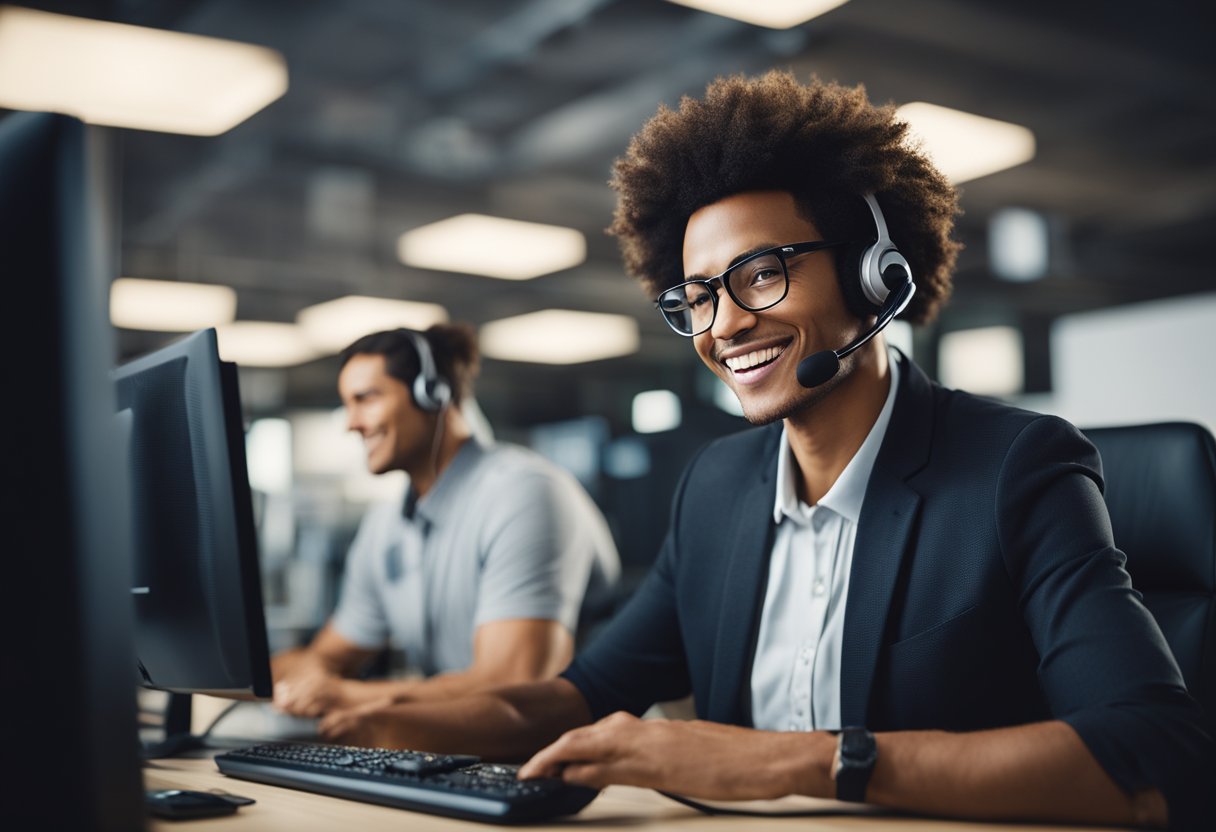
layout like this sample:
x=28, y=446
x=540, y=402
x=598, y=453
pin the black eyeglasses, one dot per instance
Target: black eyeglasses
x=755, y=283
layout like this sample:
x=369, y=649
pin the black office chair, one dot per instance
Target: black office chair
x=1161, y=494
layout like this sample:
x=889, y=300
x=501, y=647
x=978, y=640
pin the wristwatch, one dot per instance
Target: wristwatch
x=856, y=753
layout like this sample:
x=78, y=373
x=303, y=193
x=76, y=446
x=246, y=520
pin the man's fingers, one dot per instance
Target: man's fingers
x=582, y=745
x=595, y=775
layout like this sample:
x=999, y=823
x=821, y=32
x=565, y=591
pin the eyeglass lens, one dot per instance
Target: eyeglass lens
x=754, y=284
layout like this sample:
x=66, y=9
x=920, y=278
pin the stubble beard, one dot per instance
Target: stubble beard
x=804, y=399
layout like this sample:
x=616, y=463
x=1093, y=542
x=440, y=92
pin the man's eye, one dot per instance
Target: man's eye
x=699, y=300
x=762, y=276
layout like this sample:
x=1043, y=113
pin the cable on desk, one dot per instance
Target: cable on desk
x=227, y=710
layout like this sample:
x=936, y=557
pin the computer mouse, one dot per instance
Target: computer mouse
x=183, y=803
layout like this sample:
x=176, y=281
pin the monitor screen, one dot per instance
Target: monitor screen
x=199, y=622
x=68, y=682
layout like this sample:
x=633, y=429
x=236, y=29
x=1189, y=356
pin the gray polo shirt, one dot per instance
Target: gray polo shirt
x=504, y=534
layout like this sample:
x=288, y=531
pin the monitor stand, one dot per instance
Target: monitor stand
x=177, y=738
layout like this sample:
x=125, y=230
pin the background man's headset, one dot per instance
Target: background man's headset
x=883, y=287
x=431, y=391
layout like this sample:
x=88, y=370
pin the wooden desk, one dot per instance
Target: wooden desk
x=288, y=810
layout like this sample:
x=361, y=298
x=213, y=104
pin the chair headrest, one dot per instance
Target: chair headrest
x=1161, y=494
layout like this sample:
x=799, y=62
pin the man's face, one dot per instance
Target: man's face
x=396, y=433
x=757, y=353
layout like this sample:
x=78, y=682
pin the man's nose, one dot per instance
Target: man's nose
x=731, y=319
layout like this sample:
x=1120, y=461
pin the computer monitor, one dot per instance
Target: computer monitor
x=199, y=621
x=67, y=709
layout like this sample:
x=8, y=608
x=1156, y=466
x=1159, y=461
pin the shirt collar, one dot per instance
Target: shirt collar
x=441, y=500
x=847, y=493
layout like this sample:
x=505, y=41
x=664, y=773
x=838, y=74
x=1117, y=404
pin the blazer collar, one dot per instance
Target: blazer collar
x=884, y=534
x=747, y=540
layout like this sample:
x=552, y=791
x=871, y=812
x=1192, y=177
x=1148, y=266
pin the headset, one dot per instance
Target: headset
x=430, y=390
x=883, y=287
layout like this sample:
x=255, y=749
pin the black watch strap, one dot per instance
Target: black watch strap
x=856, y=754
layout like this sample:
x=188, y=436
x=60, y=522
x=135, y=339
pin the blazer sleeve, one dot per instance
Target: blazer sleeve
x=1105, y=668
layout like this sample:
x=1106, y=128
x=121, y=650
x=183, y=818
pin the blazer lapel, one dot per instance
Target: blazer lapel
x=748, y=540
x=884, y=532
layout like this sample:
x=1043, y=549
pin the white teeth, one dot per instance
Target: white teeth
x=751, y=359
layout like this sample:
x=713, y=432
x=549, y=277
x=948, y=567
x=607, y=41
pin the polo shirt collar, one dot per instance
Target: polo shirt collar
x=443, y=499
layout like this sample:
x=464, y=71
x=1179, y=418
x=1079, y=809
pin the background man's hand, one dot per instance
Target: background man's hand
x=697, y=759
x=357, y=725
x=311, y=694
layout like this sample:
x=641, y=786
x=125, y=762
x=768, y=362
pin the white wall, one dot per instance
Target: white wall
x=1147, y=362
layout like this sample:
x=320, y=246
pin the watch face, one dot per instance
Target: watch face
x=857, y=747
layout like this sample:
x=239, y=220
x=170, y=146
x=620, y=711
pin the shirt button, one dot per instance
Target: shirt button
x=819, y=520
x=819, y=587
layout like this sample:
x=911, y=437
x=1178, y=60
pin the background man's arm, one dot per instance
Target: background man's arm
x=504, y=653
x=508, y=723
x=308, y=681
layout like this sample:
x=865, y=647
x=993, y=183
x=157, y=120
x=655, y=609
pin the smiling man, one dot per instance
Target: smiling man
x=481, y=575
x=889, y=591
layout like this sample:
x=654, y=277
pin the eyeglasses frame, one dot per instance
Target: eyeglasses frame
x=790, y=249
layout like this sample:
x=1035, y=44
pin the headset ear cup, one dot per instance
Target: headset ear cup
x=441, y=394
x=848, y=274
x=431, y=395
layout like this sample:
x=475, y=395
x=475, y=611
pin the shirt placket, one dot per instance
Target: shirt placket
x=802, y=688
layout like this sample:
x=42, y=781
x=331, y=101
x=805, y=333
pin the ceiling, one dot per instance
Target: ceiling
x=401, y=113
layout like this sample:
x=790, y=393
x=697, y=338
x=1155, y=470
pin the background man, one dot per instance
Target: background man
x=893, y=592
x=481, y=574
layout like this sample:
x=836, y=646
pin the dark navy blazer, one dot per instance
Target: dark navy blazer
x=985, y=591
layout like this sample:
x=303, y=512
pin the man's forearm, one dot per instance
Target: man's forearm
x=1041, y=772
x=509, y=724
x=304, y=660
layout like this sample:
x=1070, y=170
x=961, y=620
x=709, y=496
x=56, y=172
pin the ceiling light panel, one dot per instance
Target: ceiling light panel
x=169, y=306
x=131, y=76
x=335, y=324
x=493, y=247
x=559, y=336
x=264, y=344
x=774, y=14
x=964, y=146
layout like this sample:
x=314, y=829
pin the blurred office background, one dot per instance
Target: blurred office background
x=321, y=185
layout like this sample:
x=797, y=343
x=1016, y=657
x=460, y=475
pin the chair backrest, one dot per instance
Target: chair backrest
x=1161, y=494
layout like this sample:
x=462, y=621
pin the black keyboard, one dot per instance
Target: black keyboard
x=456, y=785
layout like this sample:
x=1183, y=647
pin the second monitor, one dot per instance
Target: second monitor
x=200, y=625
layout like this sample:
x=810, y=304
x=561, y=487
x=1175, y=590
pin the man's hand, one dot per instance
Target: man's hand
x=312, y=694
x=362, y=724
x=697, y=759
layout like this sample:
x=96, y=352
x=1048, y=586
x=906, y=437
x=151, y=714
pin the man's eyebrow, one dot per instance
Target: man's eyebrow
x=739, y=258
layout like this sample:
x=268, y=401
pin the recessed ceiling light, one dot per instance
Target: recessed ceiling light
x=774, y=15
x=131, y=76
x=264, y=344
x=169, y=306
x=335, y=324
x=964, y=146
x=492, y=246
x=559, y=336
